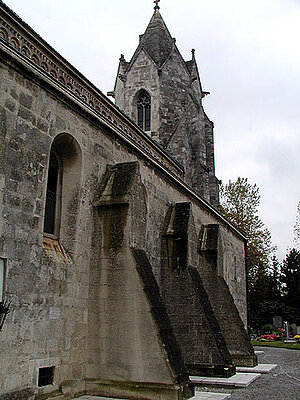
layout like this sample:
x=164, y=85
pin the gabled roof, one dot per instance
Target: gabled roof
x=156, y=40
x=159, y=45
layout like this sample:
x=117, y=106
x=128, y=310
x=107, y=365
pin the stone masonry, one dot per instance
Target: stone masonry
x=134, y=285
x=178, y=121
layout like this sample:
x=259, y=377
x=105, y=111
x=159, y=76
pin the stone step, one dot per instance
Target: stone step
x=260, y=368
x=240, y=379
x=198, y=396
x=257, y=352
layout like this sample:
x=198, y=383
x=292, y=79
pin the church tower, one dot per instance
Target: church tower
x=162, y=93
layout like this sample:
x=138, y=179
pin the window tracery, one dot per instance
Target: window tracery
x=144, y=111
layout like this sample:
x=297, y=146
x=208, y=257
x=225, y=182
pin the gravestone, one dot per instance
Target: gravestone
x=277, y=322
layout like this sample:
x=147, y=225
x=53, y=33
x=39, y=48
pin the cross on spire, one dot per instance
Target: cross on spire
x=156, y=4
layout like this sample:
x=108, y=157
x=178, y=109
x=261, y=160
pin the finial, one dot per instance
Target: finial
x=193, y=53
x=156, y=4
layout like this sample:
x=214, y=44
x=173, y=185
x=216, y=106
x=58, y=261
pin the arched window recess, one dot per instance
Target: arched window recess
x=63, y=185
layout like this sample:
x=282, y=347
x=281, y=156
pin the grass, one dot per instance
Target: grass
x=293, y=346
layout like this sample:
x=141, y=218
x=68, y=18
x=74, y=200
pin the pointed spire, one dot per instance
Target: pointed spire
x=157, y=40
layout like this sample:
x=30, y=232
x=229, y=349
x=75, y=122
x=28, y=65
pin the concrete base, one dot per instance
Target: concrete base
x=139, y=390
x=221, y=371
x=198, y=396
x=210, y=396
x=260, y=368
x=248, y=360
x=237, y=380
x=87, y=397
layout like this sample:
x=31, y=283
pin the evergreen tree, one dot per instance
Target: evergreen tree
x=290, y=277
x=265, y=296
x=275, y=282
x=297, y=229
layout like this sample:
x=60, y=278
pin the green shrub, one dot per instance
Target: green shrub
x=267, y=328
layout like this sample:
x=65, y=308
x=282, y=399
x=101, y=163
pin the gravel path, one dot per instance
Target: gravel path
x=283, y=383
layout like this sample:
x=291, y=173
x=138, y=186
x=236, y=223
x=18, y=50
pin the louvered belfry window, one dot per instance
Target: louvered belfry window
x=144, y=110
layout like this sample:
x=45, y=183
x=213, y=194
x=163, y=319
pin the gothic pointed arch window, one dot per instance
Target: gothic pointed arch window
x=144, y=110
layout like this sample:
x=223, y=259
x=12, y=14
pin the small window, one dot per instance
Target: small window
x=2, y=278
x=53, y=195
x=46, y=376
x=144, y=111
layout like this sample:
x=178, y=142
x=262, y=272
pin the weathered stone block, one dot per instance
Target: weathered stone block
x=26, y=115
x=10, y=105
x=26, y=100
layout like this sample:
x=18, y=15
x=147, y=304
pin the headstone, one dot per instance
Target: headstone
x=277, y=322
x=287, y=330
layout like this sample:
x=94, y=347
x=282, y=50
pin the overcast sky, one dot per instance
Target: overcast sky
x=248, y=58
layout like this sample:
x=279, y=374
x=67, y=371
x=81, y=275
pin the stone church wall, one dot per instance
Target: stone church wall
x=72, y=299
x=51, y=283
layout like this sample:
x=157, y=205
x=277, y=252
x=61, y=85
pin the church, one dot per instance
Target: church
x=118, y=275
